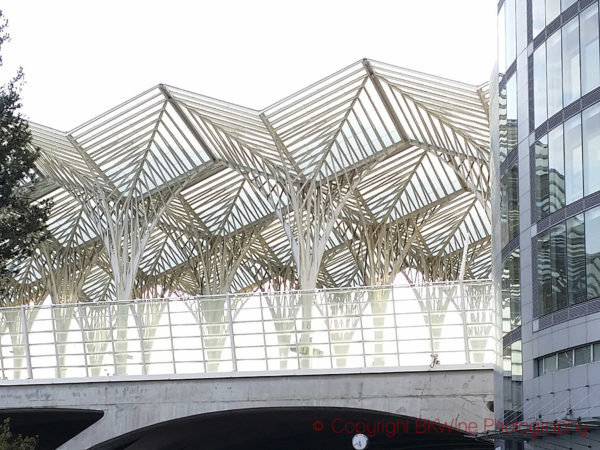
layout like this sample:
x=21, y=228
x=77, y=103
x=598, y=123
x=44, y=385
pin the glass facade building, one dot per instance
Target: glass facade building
x=546, y=183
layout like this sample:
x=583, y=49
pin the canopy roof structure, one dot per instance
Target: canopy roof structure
x=365, y=174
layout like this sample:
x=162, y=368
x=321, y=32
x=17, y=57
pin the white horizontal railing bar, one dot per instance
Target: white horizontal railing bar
x=350, y=328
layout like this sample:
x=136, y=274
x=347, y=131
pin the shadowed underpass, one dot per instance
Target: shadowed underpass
x=293, y=428
x=53, y=426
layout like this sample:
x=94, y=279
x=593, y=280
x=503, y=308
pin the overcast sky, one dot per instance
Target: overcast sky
x=84, y=57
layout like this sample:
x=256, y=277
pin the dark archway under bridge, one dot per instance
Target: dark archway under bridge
x=295, y=428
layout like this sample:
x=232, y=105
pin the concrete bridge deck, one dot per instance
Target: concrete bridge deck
x=135, y=406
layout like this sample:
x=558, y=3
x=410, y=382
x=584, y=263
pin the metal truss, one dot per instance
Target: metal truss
x=370, y=172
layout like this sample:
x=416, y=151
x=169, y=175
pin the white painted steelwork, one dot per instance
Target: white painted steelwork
x=253, y=332
x=370, y=172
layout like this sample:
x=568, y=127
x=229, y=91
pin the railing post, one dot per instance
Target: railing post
x=296, y=336
x=138, y=321
x=26, y=342
x=2, y=362
x=198, y=304
x=264, y=332
x=395, y=325
x=83, y=341
x=362, y=334
x=56, y=351
x=463, y=302
x=171, y=336
x=328, y=322
x=231, y=339
x=112, y=336
x=463, y=307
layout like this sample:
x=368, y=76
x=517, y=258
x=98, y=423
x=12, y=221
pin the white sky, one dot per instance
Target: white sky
x=84, y=57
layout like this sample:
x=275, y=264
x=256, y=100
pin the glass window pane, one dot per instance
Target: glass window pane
x=550, y=364
x=513, y=202
x=516, y=357
x=590, y=50
x=509, y=205
x=576, y=259
x=552, y=10
x=591, y=149
x=504, y=210
x=554, y=73
x=506, y=326
x=506, y=359
x=515, y=290
x=556, y=172
x=511, y=32
x=511, y=113
x=542, y=187
x=521, y=26
x=571, y=78
x=567, y=3
x=573, y=160
x=538, y=11
x=583, y=355
x=502, y=124
x=592, y=251
x=502, y=39
x=511, y=293
x=539, y=85
x=565, y=359
x=596, y=352
x=558, y=259
x=507, y=392
x=544, y=272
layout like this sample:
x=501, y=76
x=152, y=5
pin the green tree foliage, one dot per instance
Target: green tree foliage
x=22, y=222
x=8, y=441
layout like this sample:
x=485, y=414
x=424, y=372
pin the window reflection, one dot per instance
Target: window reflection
x=591, y=146
x=542, y=186
x=571, y=76
x=511, y=113
x=590, y=50
x=554, y=73
x=508, y=118
x=539, y=85
x=511, y=292
x=568, y=262
x=559, y=163
x=552, y=10
x=544, y=273
x=567, y=65
x=509, y=205
x=576, y=259
x=556, y=169
x=568, y=358
x=513, y=392
x=558, y=261
x=573, y=160
x=538, y=12
x=565, y=360
x=552, y=270
x=511, y=31
x=583, y=355
x=592, y=250
x=502, y=39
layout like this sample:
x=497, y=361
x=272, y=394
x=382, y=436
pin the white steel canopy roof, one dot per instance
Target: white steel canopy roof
x=368, y=172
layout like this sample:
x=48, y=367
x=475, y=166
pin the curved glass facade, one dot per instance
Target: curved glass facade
x=546, y=165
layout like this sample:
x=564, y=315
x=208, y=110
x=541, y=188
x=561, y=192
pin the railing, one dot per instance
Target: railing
x=344, y=328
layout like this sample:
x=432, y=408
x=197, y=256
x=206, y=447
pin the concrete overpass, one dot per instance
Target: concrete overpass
x=174, y=373
x=281, y=406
